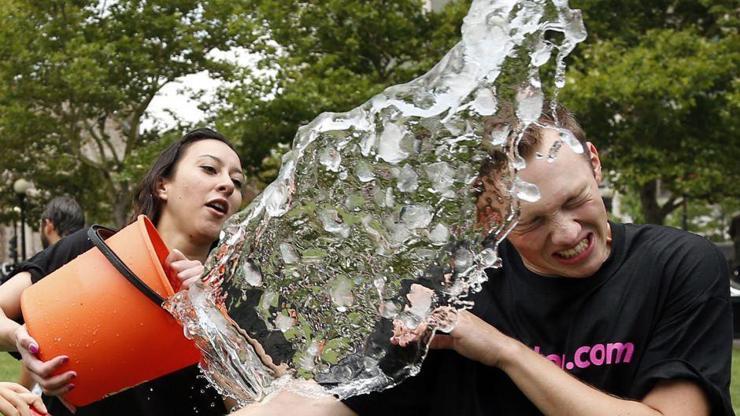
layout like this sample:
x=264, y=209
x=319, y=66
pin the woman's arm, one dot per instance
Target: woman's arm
x=10, y=309
x=289, y=403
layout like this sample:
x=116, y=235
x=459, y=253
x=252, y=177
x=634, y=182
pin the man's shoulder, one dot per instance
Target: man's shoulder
x=64, y=251
x=72, y=245
x=666, y=239
x=687, y=260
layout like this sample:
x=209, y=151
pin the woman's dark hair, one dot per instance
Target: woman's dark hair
x=146, y=201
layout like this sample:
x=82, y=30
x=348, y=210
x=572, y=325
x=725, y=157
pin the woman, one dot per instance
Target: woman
x=193, y=187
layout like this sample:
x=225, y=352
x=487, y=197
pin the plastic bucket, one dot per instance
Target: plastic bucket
x=115, y=335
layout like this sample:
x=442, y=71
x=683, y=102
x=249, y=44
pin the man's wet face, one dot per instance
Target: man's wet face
x=565, y=233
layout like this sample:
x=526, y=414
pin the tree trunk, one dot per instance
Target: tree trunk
x=652, y=212
x=122, y=204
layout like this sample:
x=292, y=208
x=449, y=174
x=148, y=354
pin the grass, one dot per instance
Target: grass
x=10, y=369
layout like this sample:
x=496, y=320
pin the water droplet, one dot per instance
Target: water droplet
x=389, y=148
x=526, y=191
x=276, y=199
x=340, y=291
x=552, y=154
x=463, y=259
x=252, y=274
x=500, y=135
x=390, y=200
x=408, y=180
x=364, y=173
x=488, y=257
x=289, y=254
x=542, y=53
x=333, y=223
x=330, y=158
x=442, y=177
x=420, y=300
x=416, y=216
x=529, y=104
x=485, y=102
x=439, y=235
x=568, y=137
x=283, y=322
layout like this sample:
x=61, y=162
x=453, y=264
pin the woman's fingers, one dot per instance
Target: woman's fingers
x=187, y=271
x=35, y=402
x=191, y=270
x=45, y=369
x=17, y=400
x=57, y=385
x=7, y=408
x=24, y=341
x=43, y=374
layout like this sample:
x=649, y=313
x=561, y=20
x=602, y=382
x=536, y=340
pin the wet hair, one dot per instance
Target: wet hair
x=533, y=134
x=66, y=215
x=496, y=173
x=146, y=201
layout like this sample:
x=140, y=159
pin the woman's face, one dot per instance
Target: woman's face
x=204, y=190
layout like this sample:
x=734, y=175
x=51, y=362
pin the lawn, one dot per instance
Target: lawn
x=9, y=369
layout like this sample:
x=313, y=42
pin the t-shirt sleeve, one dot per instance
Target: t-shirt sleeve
x=692, y=338
x=36, y=265
x=55, y=256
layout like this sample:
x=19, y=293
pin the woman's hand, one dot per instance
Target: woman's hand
x=187, y=271
x=16, y=400
x=42, y=371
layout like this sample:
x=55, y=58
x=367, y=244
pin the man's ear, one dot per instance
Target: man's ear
x=593, y=158
x=162, y=189
x=48, y=226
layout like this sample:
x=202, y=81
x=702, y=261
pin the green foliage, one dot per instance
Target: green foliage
x=711, y=221
x=657, y=90
x=79, y=76
x=328, y=56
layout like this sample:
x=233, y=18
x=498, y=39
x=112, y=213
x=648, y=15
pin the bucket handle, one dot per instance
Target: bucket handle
x=94, y=234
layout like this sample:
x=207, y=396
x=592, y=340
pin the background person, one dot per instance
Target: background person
x=62, y=216
x=191, y=189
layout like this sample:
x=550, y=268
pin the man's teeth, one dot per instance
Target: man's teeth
x=578, y=249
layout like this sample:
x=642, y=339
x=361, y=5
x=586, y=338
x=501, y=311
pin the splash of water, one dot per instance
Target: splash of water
x=374, y=224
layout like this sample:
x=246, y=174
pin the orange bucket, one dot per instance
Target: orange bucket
x=114, y=334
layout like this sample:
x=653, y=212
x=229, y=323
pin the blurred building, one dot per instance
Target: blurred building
x=435, y=5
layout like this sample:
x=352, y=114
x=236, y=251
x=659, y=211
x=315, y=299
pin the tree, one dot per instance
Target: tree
x=656, y=87
x=78, y=78
x=328, y=56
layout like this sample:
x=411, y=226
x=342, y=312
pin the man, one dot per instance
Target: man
x=586, y=317
x=62, y=216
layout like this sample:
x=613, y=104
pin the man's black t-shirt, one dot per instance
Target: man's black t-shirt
x=657, y=309
x=185, y=392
